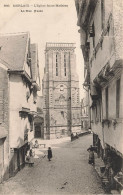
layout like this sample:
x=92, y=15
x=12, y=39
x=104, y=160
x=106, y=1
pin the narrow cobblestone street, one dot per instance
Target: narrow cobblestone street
x=67, y=173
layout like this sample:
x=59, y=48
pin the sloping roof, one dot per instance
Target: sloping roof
x=33, y=50
x=12, y=49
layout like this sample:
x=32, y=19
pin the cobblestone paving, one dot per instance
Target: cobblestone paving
x=67, y=173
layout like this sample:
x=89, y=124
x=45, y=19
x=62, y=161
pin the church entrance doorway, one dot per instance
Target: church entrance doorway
x=37, y=131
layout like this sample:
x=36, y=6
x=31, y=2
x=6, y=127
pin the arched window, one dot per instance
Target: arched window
x=56, y=65
x=64, y=64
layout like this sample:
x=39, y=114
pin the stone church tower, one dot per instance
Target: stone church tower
x=62, y=111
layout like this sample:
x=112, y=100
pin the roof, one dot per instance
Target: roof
x=13, y=54
x=13, y=49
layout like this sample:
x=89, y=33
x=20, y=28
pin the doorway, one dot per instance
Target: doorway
x=37, y=131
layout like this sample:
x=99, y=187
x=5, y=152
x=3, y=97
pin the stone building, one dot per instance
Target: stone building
x=39, y=119
x=62, y=108
x=19, y=75
x=85, y=125
x=101, y=31
x=4, y=123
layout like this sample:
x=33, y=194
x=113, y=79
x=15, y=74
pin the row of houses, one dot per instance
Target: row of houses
x=19, y=113
x=100, y=31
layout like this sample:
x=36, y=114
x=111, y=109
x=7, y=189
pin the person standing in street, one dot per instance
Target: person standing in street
x=91, y=155
x=49, y=153
x=31, y=159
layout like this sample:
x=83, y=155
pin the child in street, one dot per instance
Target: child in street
x=49, y=153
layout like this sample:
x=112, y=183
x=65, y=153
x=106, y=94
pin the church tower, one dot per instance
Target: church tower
x=62, y=113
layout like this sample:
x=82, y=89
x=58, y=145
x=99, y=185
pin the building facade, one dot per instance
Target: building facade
x=39, y=119
x=85, y=125
x=60, y=91
x=4, y=123
x=101, y=30
x=21, y=85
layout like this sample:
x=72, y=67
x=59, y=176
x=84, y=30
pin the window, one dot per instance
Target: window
x=64, y=65
x=117, y=97
x=61, y=88
x=92, y=30
x=92, y=33
x=28, y=60
x=56, y=65
x=62, y=113
x=77, y=115
x=106, y=101
x=44, y=99
x=77, y=97
x=51, y=98
x=73, y=98
x=102, y=14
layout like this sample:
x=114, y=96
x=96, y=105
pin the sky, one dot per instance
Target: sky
x=54, y=24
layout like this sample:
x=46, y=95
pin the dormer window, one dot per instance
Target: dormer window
x=92, y=30
x=28, y=60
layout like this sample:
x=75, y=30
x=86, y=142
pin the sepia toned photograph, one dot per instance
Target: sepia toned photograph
x=61, y=97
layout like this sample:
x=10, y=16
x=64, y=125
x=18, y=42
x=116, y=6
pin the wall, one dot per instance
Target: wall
x=18, y=124
x=107, y=50
x=113, y=133
x=4, y=118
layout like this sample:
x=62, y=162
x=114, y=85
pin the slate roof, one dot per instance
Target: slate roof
x=13, y=49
